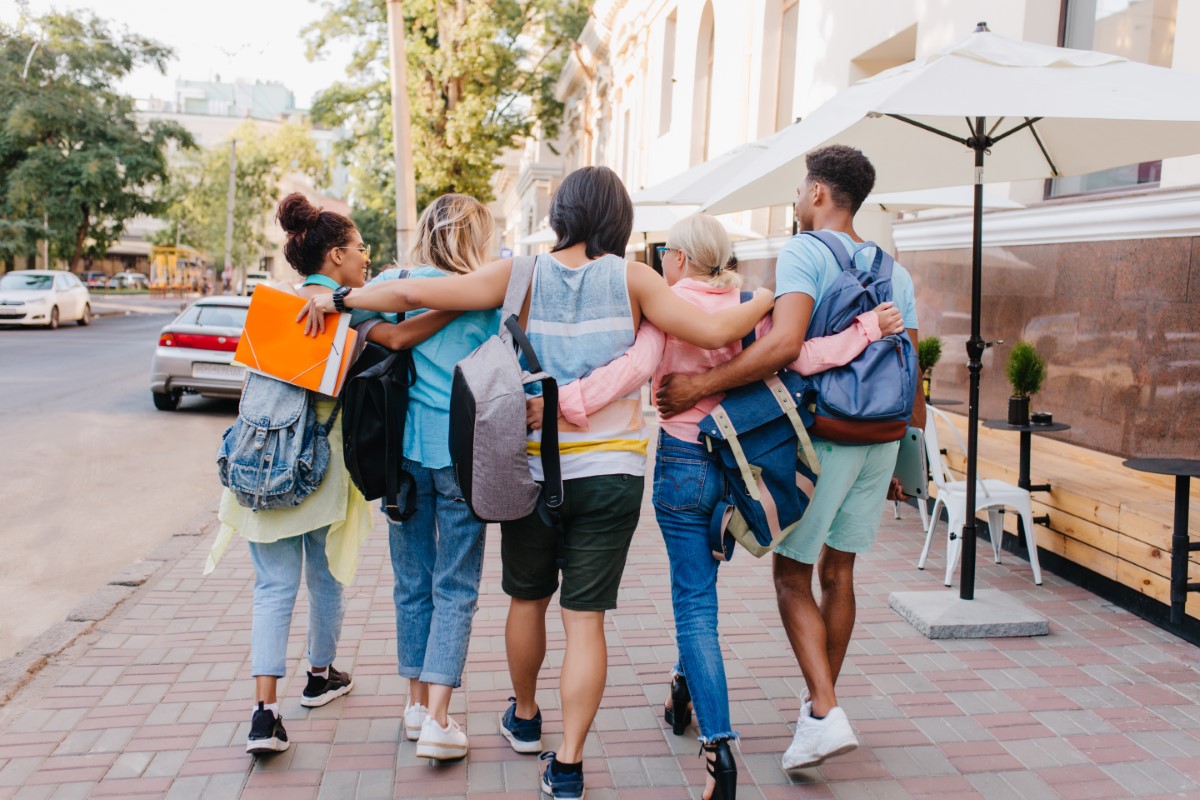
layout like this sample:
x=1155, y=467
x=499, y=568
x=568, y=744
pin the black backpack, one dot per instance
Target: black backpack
x=374, y=407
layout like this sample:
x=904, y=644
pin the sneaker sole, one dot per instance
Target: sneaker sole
x=328, y=697
x=839, y=751
x=442, y=752
x=518, y=745
x=260, y=747
x=412, y=734
x=549, y=791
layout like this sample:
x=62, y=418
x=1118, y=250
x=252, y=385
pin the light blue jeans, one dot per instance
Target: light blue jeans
x=437, y=560
x=687, y=486
x=277, y=568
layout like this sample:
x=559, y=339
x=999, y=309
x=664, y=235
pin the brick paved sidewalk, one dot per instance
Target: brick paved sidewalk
x=156, y=702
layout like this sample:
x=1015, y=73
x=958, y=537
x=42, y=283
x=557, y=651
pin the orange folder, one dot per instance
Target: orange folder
x=274, y=344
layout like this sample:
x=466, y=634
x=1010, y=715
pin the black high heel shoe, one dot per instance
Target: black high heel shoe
x=723, y=769
x=679, y=715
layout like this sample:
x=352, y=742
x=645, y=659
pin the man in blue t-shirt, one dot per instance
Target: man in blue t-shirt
x=843, y=517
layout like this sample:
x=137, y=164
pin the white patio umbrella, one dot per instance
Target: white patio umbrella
x=694, y=186
x=947, y=197
x=653, y=222
x=1034, y=111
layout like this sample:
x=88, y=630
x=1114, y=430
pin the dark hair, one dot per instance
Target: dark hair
x=591, y=205
x=312, y=232
x=845, y=171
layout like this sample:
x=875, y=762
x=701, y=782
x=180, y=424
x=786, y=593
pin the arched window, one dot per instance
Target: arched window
x=702, y=87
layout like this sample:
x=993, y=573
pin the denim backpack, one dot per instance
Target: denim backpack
x=276, y=453
x=487, y=419
x=758, y=437
x=870, y=399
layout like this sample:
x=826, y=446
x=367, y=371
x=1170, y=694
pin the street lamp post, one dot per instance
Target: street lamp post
x=406, y=192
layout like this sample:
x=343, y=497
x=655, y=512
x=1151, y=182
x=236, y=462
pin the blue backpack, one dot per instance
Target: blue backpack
x=276, y=453
x=869, y=400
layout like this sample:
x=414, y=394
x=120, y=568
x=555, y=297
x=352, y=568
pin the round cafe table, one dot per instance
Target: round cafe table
x=1184, y=469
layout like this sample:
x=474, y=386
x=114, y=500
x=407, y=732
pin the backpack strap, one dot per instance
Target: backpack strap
x=519, y=281
x=836, y=246
x=749, y=338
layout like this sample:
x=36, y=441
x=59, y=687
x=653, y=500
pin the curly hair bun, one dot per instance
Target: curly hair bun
x=297, y=215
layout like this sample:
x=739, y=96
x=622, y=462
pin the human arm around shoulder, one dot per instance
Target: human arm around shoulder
x=827, y=352
x=779, y=347
x=482, y=289
x=676, y=317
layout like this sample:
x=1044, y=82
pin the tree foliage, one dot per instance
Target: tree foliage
x=72, y=153
x=480, y=76
x=197, y=200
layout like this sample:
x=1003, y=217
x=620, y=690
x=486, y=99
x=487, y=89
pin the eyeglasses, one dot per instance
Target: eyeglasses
x=364, y=249
x=663, y=250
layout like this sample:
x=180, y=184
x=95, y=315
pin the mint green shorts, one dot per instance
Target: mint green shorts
x=848, y=502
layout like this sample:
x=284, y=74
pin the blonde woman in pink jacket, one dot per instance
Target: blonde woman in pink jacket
x=687, y=485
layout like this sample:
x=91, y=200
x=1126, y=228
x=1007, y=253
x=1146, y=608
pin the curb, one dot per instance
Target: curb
x=18, y=670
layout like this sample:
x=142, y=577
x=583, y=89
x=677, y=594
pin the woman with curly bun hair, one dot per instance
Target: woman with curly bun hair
x=321, y=536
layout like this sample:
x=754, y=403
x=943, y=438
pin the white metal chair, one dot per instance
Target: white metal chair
x=992, y=495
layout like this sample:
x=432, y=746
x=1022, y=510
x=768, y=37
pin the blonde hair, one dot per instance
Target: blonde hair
x=707, y=247
x=453, y=234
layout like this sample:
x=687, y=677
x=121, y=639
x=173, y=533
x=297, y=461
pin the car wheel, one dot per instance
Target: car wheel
x=166, y=401
x=86, y=319
x=53, y=323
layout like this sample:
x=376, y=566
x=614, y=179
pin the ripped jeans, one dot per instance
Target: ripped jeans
x=437, y=560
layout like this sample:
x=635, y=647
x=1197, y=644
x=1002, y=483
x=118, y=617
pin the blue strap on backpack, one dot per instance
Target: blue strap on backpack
x=869, y=400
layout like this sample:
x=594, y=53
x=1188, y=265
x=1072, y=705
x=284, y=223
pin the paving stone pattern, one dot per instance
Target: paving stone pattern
x=158, y=698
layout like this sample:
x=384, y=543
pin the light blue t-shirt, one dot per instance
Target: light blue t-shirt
x=427, y=428
x=806, y=265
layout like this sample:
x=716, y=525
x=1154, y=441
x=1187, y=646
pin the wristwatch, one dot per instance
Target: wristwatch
x=339, y=298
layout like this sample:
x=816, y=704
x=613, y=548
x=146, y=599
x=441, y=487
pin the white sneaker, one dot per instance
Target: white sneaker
x=818, y=739
x=442, y=744
x=805, y=704
x=414, y=717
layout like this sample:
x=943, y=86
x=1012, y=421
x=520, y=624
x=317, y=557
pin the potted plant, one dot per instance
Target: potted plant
x=1026, y=371
x=929, y=352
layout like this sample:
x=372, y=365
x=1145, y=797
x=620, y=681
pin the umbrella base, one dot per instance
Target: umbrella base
x=943, y=615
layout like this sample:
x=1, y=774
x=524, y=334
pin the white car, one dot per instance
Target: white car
x=43, y=297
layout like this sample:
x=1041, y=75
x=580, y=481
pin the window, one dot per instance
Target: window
x=789, y=25
x=1140, y=30
x=667, y=86
x=702, y=89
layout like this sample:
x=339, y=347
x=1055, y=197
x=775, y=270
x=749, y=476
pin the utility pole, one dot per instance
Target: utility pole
x=46, y=241
x=229, y=216
x=406, y=191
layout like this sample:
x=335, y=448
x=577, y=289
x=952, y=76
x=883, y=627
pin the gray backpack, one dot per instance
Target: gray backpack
x=487, y=419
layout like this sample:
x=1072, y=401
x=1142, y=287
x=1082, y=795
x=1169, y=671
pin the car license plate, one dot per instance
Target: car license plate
x=222, y=371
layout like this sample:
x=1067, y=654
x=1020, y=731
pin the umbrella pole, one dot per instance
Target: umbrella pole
x=975, y=347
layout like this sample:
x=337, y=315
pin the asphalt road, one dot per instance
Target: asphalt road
x=92, y=477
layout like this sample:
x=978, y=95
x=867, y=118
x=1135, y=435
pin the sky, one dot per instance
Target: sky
x=247, y=39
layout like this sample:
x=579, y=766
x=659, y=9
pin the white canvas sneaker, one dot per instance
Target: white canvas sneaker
x=442, y=744
x=818, y=739
x=414, y=717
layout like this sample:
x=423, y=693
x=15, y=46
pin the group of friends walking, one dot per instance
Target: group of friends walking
x=602, y=326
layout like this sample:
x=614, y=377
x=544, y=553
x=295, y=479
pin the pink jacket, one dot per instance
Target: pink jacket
x=657, y=355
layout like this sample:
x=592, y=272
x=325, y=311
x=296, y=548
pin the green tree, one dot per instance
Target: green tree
x=480, y=76
x=72, y=153
x=196, y=209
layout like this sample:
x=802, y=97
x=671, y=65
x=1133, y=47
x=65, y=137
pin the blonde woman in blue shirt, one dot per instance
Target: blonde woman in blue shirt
x=437, y=555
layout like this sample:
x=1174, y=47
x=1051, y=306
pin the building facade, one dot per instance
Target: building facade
x=1101, y=272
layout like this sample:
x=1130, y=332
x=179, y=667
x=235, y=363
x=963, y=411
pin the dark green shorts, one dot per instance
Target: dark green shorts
x=599, y=515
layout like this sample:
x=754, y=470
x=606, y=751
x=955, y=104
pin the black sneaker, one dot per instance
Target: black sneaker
x=320, y=691
x=525, y=735
x=266, y=733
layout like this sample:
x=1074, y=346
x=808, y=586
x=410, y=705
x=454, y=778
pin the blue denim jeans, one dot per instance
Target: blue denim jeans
x=277, y=567
x=437, y=560
x=687, y=486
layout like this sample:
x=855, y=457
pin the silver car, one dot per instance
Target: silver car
x=194, y=352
